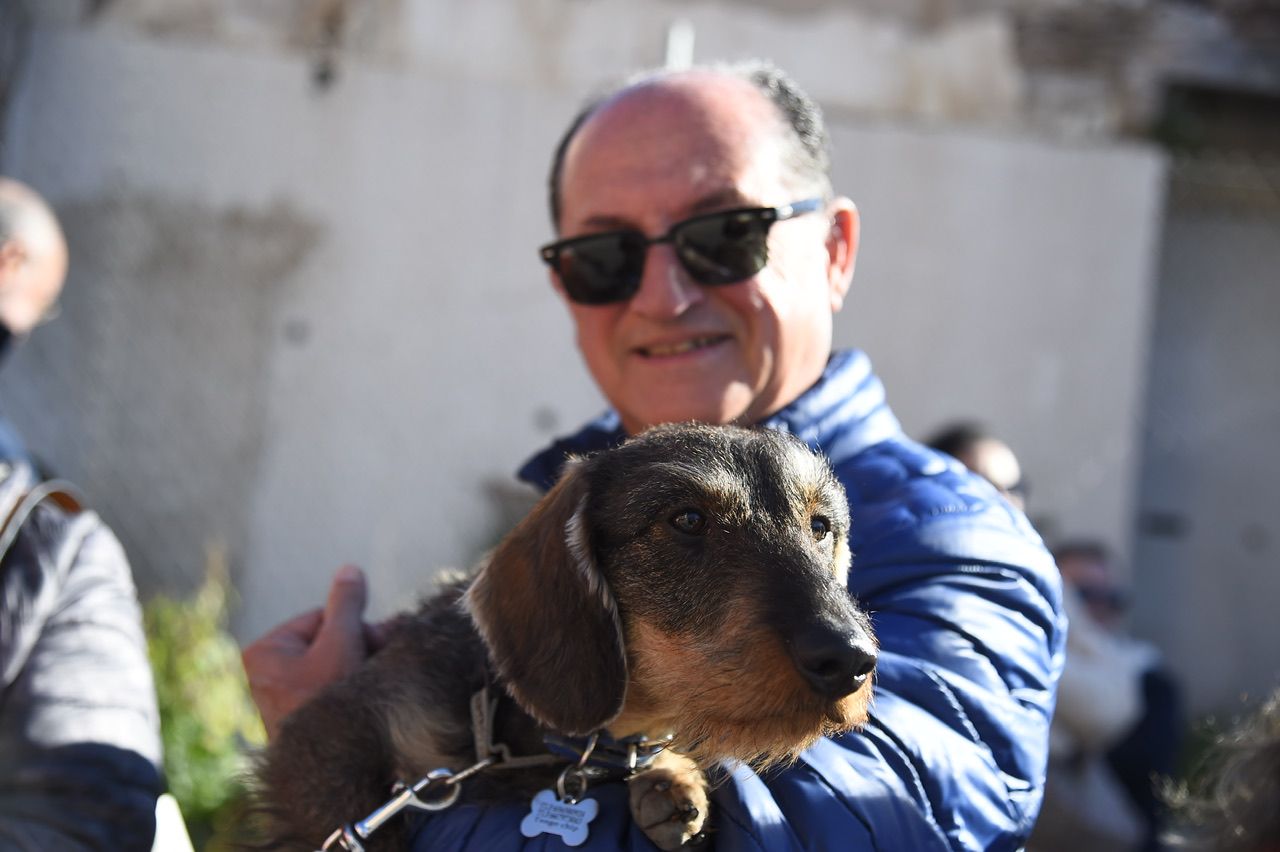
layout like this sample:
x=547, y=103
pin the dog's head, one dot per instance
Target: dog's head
x=691, y=581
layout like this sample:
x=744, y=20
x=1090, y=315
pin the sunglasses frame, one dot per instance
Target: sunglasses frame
x=768, y=216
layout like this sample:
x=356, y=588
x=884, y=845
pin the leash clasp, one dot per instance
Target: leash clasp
x=348, y=838
x=343, y=838
x=576, y=773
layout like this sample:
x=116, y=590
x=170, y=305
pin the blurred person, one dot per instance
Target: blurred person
x=1118, y=725
x=79, y=730
x=986, y=455
x=702, y=255
x=33, y=264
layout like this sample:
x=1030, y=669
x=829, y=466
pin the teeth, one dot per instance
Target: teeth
x=681, y=348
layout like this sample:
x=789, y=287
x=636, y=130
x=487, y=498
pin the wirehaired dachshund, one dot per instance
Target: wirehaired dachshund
x=688, y=584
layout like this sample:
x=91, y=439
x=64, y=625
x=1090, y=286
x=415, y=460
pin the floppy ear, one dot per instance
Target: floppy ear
x=549, y=618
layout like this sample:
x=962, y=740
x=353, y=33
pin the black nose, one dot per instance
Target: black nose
x=835, y=662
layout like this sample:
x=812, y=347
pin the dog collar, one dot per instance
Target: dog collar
x=600, y=755
x=605, y=755
x=597, y=757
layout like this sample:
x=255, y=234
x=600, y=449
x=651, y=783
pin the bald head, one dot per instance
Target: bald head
x=986, y=455
x=664, y=152
x=796, y=119
x=33, y=257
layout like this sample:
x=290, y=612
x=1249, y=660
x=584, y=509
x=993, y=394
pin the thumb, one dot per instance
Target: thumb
x=344, y=610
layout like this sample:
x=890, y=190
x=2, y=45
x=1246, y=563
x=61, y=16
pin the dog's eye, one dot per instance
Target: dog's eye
x=689, y=521
x=820, y=526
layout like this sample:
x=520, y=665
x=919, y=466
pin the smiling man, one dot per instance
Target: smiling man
x=702, y=255
x=678, y=349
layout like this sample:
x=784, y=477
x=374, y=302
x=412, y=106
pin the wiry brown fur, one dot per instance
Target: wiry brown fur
x=599, y=612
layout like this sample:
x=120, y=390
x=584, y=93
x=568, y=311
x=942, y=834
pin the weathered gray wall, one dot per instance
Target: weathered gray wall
x=1208, y=557
x=150, y=389
x=381, y=351
x=1007, y=279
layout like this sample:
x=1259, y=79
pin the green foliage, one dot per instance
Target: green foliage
x=208, y=721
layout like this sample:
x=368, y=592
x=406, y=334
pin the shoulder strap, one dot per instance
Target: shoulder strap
x=63, y=494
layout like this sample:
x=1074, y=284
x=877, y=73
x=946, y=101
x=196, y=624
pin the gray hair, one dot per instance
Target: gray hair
x=807, y=155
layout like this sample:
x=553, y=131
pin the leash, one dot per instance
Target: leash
x=587, y=759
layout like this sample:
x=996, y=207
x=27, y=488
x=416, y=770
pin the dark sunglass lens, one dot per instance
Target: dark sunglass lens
x=725, y=248
x=602, y=269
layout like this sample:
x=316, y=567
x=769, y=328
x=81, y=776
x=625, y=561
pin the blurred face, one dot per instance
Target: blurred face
x=995, y=462
x=1093, y=579
x=31, y=275
x=677, y=350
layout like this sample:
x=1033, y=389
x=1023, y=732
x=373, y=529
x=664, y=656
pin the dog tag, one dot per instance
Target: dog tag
x=549, y=815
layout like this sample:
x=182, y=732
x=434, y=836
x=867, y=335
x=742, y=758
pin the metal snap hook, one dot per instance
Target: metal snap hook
x=447, y=800
x=343, y=838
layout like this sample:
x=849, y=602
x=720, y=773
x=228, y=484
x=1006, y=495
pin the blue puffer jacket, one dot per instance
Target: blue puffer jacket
x=967, y=608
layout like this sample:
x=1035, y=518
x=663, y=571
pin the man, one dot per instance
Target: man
x=681, y=314
x=79, y=731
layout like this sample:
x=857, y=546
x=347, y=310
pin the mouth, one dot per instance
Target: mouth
x=762, y=741
x=682, y=347
x=849, y=712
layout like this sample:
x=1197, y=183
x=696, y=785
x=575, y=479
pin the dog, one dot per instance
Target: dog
x=688, y=586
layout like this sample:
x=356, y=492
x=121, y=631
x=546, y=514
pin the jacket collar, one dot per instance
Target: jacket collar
x=843, y=413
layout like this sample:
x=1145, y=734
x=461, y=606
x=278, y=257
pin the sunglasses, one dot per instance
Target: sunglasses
x=714, y=248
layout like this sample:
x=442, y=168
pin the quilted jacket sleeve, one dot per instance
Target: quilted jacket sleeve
x=79, y=734
x=967, y=606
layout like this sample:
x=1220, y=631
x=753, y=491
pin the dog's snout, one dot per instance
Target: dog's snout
x=835, y=662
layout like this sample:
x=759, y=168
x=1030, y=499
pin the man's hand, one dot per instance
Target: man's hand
x=291, y=663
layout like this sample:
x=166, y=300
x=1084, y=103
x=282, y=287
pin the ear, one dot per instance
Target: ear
x=842, y=249
x=549, y=618
x=11, y=258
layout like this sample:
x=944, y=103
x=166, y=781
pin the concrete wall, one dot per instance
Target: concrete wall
x=1210, y=487
x=404, y=352
x=1007, y=279
x=309, y=326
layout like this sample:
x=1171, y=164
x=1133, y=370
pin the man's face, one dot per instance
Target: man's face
x=678, y=350
x=996, y=463
x=31, y=276
x=1093, y=579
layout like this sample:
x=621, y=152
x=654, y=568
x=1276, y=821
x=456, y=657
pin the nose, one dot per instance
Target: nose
x=835, y=661
x=665, y=289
